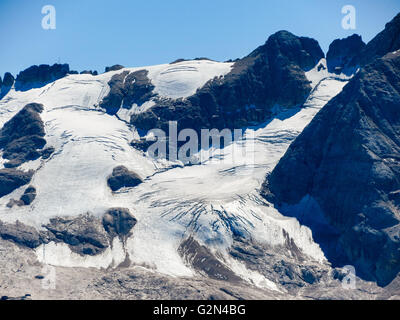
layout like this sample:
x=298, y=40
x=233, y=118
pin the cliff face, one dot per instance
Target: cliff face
x=343, y=173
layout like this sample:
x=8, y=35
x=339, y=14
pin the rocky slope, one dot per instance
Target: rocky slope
x=341, y=175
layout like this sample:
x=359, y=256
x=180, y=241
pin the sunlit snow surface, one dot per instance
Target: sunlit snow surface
x=209, y=201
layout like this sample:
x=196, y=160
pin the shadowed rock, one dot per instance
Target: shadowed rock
x=386, y=41
x=201, y=258
x=118, y=222
x=127, y=89
x=6, y=84
x=115, y=67
x=344, y=55
x=39, y=76
x=29, y=195
x=21, y=137
x=84, y=234
x=273, y=74
x=12, y=179
x=21, y=234
x=341, y=176
x=121, y=177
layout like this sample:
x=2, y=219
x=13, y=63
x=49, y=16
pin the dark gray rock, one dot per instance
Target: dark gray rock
x=84, y=234
x=127, y=89
x=39, y=76
x=6, y=84
x=93, y=73
x=28, y=196
x=202, y=260
x=21, y=138
x=341, y=176
x=386, y=41
x=121, y=177
x=115, y=67
x=12, y=179
x=8, y=80
x=20, y=234
x=273, y=74
x=25, y=200
x=118, y=222
x=344, y=55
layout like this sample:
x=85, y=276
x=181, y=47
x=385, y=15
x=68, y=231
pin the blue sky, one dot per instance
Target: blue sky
x=92, y=34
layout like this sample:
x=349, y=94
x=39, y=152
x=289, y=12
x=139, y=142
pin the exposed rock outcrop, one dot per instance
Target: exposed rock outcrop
x=127, y=89
x=25, y=200
x=344, y=55
x=12, y=179
x=342, y=176
x=274, y=74
x=21, y=234
x=121, y=177
x=84, y=234
x=118, y=222
x=8, y=80
x=39, y=76
x=202, y=260
x=115, y=67
x=386, y=41
x=6, y=84
x=93, y=73
x=28, y=196
x=22, y=137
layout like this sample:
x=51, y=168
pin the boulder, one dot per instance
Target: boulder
x=121, y=177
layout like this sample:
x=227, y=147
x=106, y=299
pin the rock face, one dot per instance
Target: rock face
x=21, y=234
x=93, y=73
x=115, y=67
x=21, y=138
x=8, y=80
x=28, y=196
x=344, y=55
x=12, y=179
x=6, y=84
x=386, y=41
x=342, y=175
x=121, y=177
x=118, y=222
x=274, y=74
x=127, y=89
x=84, y=234
x=39, y=76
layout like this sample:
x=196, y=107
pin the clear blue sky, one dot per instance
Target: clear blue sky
x=92, y=34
